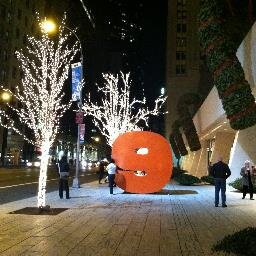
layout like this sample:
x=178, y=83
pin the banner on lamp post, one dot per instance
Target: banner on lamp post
x=76, y=81
x=82, y=131
x=79, y=117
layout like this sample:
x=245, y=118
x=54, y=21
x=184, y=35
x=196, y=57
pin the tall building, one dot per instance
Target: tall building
x=185, y=71
x=17, y=20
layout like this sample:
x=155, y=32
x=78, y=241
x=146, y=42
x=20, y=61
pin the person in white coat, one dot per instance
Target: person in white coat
x=111, y=169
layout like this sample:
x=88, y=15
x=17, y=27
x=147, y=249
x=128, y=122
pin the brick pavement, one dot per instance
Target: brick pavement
x=179, y=221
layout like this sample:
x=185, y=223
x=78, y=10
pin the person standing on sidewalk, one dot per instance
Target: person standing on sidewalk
x=247, y=173
x=220, y=172
x=63, y=168
x=111, y=169
x=101, y=171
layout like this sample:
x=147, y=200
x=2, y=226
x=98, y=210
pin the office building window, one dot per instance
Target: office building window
x=14, y=72
x=32, y=28
x=3, y=12
x=14, y=52
x=7, y=36
x=180, y=55
x=17, y=33
x=26, y=21
x=181, y=2
x=3, y=75
x=9, y=18
x=24, y=39
x=181, y=28
x=181, y=41
x=180, y=69
x=181, y=14
x=19, y=14
x=5, y=56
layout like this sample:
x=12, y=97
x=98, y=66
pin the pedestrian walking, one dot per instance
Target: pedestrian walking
x=220, y=172
x=111, y=169
x=63, y=169
x=247, y=173
x=101, y=171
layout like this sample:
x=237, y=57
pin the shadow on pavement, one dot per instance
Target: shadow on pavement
x=170, y=192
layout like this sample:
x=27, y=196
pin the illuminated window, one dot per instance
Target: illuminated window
x=181, y=41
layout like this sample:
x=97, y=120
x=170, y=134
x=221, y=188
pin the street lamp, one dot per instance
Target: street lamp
x=48, y=26
x=5, y=97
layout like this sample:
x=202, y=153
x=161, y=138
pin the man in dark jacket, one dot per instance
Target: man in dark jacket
x=220, y=172
x=63, y=169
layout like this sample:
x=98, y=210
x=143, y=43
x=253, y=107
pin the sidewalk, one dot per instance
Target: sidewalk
x=179, y=221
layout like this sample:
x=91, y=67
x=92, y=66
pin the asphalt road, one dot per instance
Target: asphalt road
x=17, y=184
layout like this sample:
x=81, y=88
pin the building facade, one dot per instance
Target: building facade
x=185, y=69
x=216, y=136
x=17, y=21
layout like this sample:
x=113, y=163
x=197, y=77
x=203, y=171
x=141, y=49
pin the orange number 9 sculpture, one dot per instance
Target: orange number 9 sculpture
x=155, y=163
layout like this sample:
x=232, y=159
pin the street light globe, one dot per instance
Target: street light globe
x=6, y=96
x=97, y=139
x=48, y=26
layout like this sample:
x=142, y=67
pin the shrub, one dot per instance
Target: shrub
x=237, y=184
x=177, y=171
x=186, y=179
x=240, y=243
x=208, y=179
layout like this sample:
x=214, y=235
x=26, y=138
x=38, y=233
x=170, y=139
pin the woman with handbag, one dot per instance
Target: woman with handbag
x=247, y=179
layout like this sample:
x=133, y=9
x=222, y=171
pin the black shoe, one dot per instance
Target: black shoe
x=243, y=197
x=61, y=197
x=251, y=199
x=224, y=205
x=216, y=205
x=67, y=197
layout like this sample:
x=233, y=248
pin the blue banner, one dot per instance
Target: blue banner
x=81, y=133
x=76, y=81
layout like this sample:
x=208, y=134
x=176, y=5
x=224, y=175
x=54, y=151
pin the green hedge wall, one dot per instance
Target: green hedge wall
x=234, y=91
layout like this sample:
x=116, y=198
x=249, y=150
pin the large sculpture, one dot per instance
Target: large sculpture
x=146, y=153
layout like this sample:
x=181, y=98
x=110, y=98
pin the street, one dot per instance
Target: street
x=17, y=184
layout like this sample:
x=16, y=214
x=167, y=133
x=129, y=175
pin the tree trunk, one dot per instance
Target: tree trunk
x=43, y=177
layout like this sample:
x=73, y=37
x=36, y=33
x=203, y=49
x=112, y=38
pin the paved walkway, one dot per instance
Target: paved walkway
x=179, y=221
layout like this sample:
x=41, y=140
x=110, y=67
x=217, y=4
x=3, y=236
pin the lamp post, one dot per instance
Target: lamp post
x=49, y=26
x=5, y=98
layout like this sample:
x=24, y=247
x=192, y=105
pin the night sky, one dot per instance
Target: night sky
x=141, y=47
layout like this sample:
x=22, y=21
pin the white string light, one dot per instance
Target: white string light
x=117, y=113
x=45, y=65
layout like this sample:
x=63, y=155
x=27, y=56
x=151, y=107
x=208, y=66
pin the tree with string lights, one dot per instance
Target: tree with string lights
x=117, y=113
x=45, y=65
